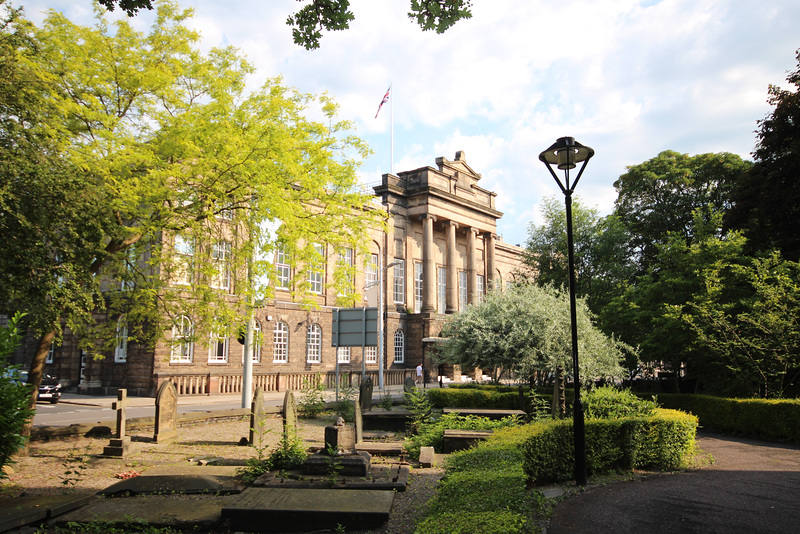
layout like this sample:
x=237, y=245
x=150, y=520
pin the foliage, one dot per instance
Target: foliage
x=74, y=468
x=312, y=398
x=431, y=433
x=103, y=527
x=484, y=490
x=473, y=398
x=346, y=405
x=527, y=329
x=386, y=402
x=419, y=405
x=335, y=15
x=662, y=441
x=14, y=397
x=602, y=263
x=287, y=454
x=769, y=419
x=767, y=199
x=608, y=402
x=669, y=194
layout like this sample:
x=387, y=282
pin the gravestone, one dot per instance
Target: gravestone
x=365, y=394
x=340, y=438
x=289, y=416
x=257, y=418
x=409, y=385
x=166, y=413
x=120, y=446
x=359, y=423
x=339, y=457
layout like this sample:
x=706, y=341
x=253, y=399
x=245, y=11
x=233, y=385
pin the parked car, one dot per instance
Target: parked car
x=49, y=389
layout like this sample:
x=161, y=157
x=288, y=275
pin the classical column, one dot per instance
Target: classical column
x=452, y=269
x=472, y=261
x=428, y=266
x=488, y=245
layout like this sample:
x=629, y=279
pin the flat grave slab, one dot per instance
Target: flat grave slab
x=20, y=511
x=303, y=510
x=389, y=477
x=186, y=479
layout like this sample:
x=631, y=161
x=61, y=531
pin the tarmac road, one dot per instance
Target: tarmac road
x=752, y=487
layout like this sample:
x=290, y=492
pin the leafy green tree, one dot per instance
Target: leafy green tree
x=602, y=264
x=142, y=147
x=13, y=397
x=661, y=198
x=526, y=329
x=335, y=15
x=767, y=199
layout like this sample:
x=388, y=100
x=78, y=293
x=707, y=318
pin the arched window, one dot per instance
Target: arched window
x=313, y=343
x=182, y=345
x=218, y=346
x=399, y=346
x=280, y=343
x=121, y=348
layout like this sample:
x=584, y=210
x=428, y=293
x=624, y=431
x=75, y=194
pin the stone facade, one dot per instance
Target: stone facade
x=442, y=238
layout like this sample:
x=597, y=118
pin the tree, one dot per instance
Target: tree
x=767, y=199
x=13, y=397
x=335, y=15
x=526, y=329
x=149, y=146
x=601, y=262
x=662, y=195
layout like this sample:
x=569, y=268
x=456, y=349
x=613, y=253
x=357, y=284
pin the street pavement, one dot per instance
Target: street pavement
x=751, y=487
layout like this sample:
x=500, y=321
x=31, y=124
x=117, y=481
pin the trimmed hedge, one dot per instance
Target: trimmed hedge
x=663, y=441
x=777, y=420
x=473, y=398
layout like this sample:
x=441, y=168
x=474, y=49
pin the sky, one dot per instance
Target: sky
x=629, y=78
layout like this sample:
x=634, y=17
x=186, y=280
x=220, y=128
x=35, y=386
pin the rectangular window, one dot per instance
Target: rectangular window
x=313, y=343
x=399, y=285
x=50, y=353
x=345, y=261
x=371, y=271
x=479, y=288
x=121, y=348
x=280, y=343
x=221, y=256
x=284, y=270
x=442, y=289
x=343, y=354
x=462, y=290
x=315, y=272
x=417, y=287
x=218, y=348
x=371, y=354
x=184, y=254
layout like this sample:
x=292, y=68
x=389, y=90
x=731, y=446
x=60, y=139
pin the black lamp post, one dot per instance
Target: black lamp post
x=565, y=154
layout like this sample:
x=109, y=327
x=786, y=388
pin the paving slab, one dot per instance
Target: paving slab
x=304, y=510
x=390, y=477
x=201, y=512
x=186, y=479
x=20, y=511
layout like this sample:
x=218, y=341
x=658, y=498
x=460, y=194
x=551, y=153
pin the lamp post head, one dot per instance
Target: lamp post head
x=565, y=154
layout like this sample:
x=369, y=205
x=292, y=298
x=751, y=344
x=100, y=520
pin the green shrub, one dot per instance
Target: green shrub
x=431, y=434
x=495, y=522
x=608, y=402
x=758, y=418
x=662, y=441
x=419, y=406
x=14, y=397
x=473, y=398
x=312, y=398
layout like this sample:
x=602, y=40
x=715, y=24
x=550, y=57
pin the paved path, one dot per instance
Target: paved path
x=752, y=487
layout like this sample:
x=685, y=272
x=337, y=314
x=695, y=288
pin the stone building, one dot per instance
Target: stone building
x=441, y=252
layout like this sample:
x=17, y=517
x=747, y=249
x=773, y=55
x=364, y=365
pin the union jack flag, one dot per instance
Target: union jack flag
x=383, y=101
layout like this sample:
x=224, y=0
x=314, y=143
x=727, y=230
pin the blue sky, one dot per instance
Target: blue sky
x=628, y=78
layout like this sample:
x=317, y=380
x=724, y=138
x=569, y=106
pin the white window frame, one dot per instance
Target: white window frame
x=370, y=354
x=399, y=282
x=218, y=348
x=418, y=286
x=314, y=343
x=345, y=259
x=283, y=269
x=343, y=354
x=121, y=346
x=51, y=353
x=371, y=271
x=480, y=283
x=182, y=350
x=399, y=346
x=316, y=273
x=442, y=289
x=256, y=343
x=184, y=251
x=221, y=256
x=280, y=343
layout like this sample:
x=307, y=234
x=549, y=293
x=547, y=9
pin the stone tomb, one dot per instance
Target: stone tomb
x=166, y=413
x=339, y=457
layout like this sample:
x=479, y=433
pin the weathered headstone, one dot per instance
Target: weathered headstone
x=340, y=438
x=359, y=423
x=119, y=446
x=409, y=385
x=289, y=416
x=166, y=413
x=365, y=394
x=257, y=418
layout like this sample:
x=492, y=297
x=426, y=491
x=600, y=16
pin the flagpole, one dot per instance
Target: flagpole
x=391, y=133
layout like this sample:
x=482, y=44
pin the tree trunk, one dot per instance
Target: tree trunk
x=34, y=380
